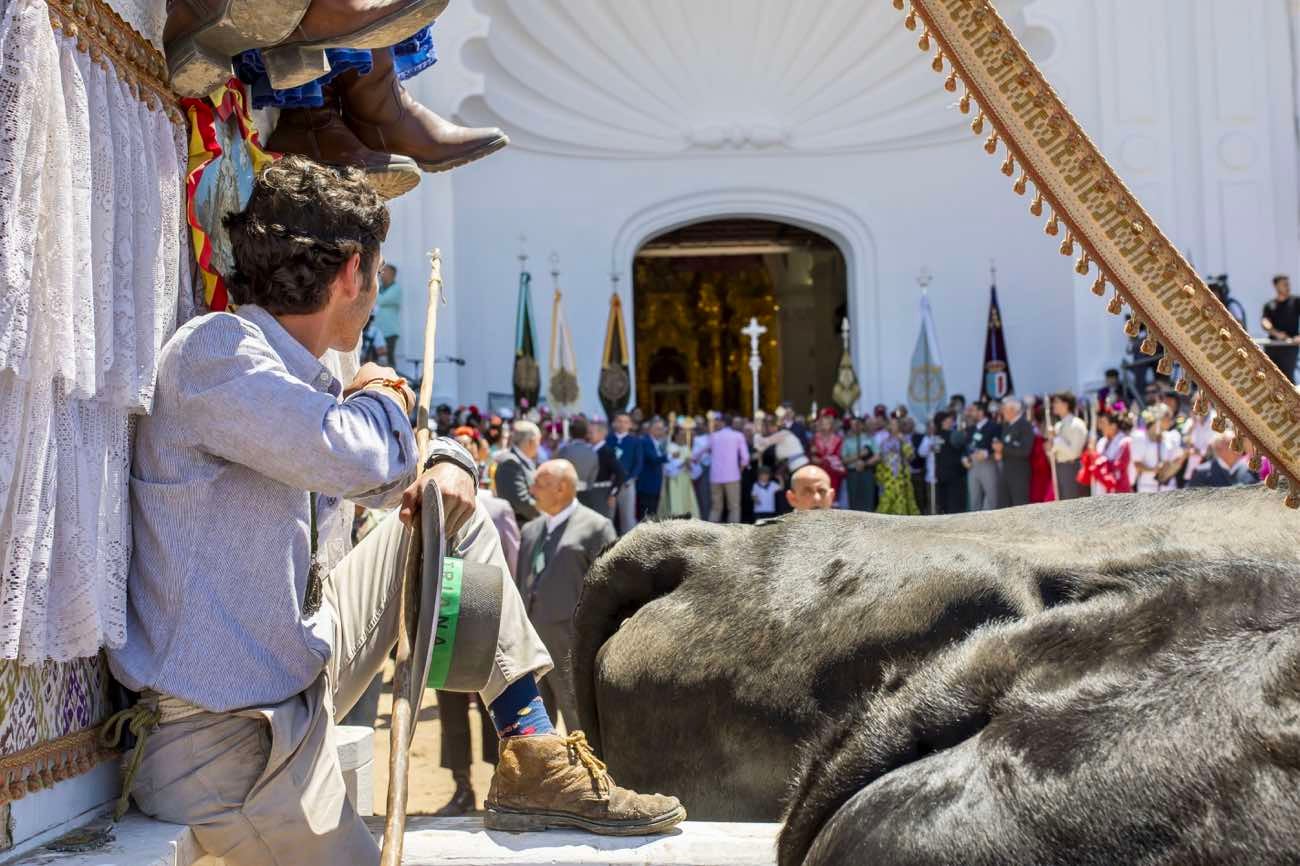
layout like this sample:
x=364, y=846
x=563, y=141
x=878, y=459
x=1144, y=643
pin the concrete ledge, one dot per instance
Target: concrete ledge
x=140, y=841
x=464, y=842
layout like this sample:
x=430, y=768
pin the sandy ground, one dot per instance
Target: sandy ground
x=430, y=786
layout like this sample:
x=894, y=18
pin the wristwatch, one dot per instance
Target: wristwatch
x=447, y=450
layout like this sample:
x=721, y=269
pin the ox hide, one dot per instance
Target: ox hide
x=706, y=654
x=1160, y=727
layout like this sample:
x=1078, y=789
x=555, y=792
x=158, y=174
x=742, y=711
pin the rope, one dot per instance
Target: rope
x=140, y=720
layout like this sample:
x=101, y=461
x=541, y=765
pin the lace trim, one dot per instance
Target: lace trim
x=103, y=35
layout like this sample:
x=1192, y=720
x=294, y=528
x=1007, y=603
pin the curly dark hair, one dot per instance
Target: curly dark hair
x=302, y=223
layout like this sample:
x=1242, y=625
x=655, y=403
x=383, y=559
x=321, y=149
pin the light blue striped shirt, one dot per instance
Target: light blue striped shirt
x=245, y=423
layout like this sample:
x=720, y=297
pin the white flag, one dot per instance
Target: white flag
x=564, y=363
x=926, y=392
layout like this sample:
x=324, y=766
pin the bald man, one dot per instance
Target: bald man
x=555, y=551
x=810, y=489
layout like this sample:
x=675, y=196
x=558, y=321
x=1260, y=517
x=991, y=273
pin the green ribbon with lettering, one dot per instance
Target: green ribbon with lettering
x=444, y=635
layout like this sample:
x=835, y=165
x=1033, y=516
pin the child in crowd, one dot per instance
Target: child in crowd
x=764, y=494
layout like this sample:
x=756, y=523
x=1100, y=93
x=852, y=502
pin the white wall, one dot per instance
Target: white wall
x=1193, y=102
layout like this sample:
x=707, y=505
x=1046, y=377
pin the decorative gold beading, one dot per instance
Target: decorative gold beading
x=1116, y=233
x=104, y=37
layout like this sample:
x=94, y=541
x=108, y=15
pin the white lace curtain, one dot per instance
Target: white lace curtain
x=93, y=262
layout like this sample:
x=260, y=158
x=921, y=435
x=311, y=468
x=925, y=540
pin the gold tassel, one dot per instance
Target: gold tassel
x=1037, y=207
x=898, y=4
x=1200, y=406
x=1238, y=444
x=950, y=84
x=1009, y=166
x=1053, y=225
x=1067, y=245
x=1116, y=305
x=910, y=21
x=1149, y=345
x=1220, y=423
x=1021, y=185
x=1081, y=266
x=977, y=125
x=1132, y=327
x=1183, y=386
x=991, y=146
x=1165, y=366
x=1256, y=462
x=964, y=105
x=937, y=66
x=1292, y=498
x=924, y=42
x=1099, y=287
x=1271, y=481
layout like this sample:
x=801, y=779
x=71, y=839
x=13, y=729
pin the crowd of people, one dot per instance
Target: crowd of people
x=974, y=456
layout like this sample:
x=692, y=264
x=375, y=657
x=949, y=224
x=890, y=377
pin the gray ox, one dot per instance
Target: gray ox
x=1159, y=726
x=706, y=654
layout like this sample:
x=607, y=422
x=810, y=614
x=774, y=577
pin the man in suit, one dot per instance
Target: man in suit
x=1012, y=453
x=555, y=552
x=982, y=471
x=627, y=449
x=650, y=483
x=515, y=469
x=600, y=475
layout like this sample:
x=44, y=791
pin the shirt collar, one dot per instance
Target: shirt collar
x=298, y=360
x=555, y=520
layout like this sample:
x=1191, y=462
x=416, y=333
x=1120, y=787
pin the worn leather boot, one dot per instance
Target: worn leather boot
x=344, y=24
x=382, y=114
x=320, y=134
x=201, y=36
x=554, y=781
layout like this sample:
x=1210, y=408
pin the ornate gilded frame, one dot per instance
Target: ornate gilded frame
x=1099, y=219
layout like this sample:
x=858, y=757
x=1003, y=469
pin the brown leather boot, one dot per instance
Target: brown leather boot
x=384, y=117
x=202, y=35
x=320, y=134
x=554, y=781
x=344, y=24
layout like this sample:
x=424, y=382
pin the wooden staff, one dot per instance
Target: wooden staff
x=399, y=742
x=1049, y=436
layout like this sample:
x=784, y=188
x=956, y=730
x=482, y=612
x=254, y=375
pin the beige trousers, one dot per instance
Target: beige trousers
x=262, y=786
x=727, y=495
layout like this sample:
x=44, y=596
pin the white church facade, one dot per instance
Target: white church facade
x=633, y=121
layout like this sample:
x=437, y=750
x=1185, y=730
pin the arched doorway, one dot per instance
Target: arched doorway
x=694, y=289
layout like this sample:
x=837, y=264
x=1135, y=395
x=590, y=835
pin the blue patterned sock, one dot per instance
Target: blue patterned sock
x=519, y=711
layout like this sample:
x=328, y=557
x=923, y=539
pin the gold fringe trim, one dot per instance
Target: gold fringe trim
x=103, y=35
x=46, y=764
x=1116, y=235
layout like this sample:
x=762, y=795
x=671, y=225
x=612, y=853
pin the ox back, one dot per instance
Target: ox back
x=706, y=654
x=1159, y=727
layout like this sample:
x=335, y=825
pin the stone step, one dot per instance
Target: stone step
x=464, y=842
x=140, y=841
